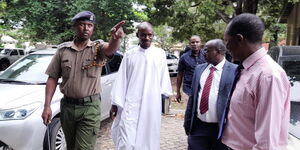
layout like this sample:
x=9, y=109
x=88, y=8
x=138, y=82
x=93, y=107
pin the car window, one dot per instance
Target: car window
x=30, y=69
x=104, y=71
x=21, y=52
x=5, y=51
x=114, y=63
x=14, y=52
x=169, y=56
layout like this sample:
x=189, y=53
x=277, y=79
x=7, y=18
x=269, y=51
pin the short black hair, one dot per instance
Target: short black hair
x=248, y=25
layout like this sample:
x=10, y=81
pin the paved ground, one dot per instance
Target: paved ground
x=172, y=132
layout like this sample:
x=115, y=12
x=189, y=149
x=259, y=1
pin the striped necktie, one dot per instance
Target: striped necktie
x=206, y=91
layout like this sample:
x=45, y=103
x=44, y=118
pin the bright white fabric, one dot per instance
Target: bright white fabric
x=142, y=77
x=211, y=115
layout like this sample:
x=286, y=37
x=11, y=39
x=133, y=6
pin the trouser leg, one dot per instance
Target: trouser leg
x=68, y=123
x=198, y=143
x=88, y=125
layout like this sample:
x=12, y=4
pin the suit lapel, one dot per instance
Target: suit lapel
x=197, y=85
x=224, y=76
x=220, y=100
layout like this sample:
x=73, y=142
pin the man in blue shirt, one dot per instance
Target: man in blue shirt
x=187, y=63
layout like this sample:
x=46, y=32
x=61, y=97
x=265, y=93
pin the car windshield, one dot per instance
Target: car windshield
x=292, y=69
x=30, y=70
x=5, y=51
x=169, y=56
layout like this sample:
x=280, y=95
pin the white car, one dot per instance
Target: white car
x=9, y=56
x=22, y=98
x=172, y=62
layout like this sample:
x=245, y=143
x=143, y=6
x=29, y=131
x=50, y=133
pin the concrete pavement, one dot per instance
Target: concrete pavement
x=172, y=133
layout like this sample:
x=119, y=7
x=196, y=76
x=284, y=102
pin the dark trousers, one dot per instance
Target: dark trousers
x=205, y=143
x=80, y=121
x=204, y=136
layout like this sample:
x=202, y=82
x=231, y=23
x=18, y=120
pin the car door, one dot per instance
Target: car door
x=107, y=80
x=21, y=53
x=14, y=56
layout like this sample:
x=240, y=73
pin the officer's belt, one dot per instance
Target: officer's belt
x=81, y=101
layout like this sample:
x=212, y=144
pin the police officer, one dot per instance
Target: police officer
x=79, y=63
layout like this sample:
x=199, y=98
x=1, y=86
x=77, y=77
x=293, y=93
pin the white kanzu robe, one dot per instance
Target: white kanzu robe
x=142, y=77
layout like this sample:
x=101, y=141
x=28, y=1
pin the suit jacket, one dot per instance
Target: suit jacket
x=191, y=123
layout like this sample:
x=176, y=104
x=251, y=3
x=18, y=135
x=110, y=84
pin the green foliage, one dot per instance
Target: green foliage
x=50, y=21
x=208, y=18
x=187, y=18
x=163, y=37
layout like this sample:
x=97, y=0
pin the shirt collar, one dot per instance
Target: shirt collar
x=192, y=55
x=143, y=49
x=219, y=66
x=249, y=61
x=73, y=46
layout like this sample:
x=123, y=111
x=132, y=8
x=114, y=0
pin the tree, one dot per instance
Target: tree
x=163, y=37
x=50, y=21
x=208, y=18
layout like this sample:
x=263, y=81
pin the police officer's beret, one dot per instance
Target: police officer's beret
x=84, y=16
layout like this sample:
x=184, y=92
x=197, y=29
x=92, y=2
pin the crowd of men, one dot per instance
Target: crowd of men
x=242, y=106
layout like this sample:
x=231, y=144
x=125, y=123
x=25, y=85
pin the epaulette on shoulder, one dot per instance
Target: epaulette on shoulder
x=62, y=45
x=98, y=41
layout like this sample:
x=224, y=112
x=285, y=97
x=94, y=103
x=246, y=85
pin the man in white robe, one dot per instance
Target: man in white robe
x=142, y=78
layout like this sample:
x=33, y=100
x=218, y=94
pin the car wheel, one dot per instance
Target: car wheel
x=56, y=140
x=4, y=65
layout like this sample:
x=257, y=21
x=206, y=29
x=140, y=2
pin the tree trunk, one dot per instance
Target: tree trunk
x=250, y=6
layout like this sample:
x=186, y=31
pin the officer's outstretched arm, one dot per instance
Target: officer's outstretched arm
x=117, y=33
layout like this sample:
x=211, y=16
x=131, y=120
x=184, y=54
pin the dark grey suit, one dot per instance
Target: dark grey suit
x=192, y=124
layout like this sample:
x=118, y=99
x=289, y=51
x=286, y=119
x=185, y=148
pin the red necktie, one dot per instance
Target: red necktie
x=206, y=91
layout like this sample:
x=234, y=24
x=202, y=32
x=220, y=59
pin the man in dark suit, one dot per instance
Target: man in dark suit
x=211, y=85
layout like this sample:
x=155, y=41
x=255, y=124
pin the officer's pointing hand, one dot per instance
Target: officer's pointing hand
x=117, y=31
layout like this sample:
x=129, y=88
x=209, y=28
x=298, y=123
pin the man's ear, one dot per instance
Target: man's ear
x=239, y=37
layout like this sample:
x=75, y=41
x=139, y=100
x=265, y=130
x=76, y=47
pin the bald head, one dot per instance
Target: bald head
x=145, y=34
x=144, y=25
x=214, y=51
x=218, y=44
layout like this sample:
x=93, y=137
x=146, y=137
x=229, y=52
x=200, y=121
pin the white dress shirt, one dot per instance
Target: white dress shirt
x=211, y=115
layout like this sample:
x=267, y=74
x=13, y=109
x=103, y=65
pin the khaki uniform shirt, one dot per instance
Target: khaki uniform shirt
x=79, y=77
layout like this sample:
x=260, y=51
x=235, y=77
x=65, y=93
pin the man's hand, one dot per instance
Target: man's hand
x=117, y=31
x=187, y=132
x=113, y=112
x=47, y=115
x=178, y=97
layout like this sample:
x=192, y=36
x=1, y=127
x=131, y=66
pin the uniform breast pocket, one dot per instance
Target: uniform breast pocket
x=91, y=71
x=66, y=68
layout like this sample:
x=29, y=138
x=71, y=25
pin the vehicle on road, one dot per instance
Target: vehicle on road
x=9, y=56
x=22, y=99
x=288, y=57
x=172, y=62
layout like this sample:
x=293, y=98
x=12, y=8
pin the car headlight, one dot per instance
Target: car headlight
x=19, y=113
